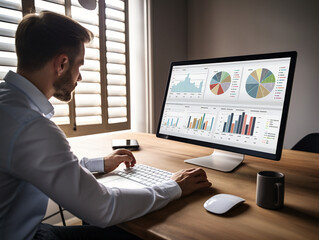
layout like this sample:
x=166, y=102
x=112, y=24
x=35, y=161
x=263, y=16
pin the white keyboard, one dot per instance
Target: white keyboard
x=146, y=175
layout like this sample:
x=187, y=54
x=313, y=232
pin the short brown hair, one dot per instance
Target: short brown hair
x=40, y=38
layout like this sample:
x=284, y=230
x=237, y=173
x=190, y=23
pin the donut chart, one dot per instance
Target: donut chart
x=260, y=83
x=220, y=83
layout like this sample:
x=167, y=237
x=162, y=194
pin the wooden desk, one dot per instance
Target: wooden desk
x=187, y=219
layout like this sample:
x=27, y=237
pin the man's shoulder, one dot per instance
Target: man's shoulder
x=14, y=107
x=10, y=97
x=17, y=114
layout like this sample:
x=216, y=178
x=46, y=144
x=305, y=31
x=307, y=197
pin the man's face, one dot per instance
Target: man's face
x=67, y=82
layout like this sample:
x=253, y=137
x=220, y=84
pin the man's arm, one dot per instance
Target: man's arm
x=109, y=163
x=191, y=180
x=42, y=156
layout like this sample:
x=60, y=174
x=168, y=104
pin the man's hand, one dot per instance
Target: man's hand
x=191, y=180
x=113, y=160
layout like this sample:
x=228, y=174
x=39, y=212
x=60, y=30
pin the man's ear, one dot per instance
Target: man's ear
x=61, y=63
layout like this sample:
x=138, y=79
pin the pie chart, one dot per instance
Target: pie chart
x=260, y=83
x=220, y=83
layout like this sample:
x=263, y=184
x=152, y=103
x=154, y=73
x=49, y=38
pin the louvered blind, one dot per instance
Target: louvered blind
x=88, y=104
x=61, y=109
x=88, y=92
x=116, y=61
x=100, y=102
x=10, y=16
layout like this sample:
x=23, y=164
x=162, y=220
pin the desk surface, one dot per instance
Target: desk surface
x=186, y=218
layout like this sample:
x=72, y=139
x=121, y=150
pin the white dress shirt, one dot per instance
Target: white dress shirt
x=36, y=163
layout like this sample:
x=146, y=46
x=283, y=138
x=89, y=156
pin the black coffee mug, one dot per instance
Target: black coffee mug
x=270, y=189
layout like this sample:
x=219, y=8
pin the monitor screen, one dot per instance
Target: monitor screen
x=237, y=104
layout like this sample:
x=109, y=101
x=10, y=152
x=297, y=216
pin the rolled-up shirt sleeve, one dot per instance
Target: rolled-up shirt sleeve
x=45, y=160
x=93, y=164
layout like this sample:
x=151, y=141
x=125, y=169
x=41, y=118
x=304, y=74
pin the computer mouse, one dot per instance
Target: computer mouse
x=222, y=203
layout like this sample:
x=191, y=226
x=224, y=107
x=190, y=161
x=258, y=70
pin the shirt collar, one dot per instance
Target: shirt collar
x=33, y=94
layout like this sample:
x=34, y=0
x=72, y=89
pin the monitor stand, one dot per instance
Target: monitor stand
x=219, y=160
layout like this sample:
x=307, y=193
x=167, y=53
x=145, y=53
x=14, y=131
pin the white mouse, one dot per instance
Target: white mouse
x=221, y=203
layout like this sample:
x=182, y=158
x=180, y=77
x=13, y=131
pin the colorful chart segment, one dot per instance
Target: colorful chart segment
x=200, y=123
x=171, y=122
x=220, y=83
x=260, y=83
x=244, y=125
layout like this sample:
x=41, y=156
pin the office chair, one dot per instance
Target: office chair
x=309, y=143
x=61, y=214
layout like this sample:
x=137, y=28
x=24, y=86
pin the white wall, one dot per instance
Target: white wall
x=219, y=28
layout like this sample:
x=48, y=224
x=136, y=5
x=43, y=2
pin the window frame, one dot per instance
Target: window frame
x=71, y=129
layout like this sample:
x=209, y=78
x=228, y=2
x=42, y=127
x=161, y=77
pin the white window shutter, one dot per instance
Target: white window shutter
x=61, y=109
x=10, y=16
x=101, y=99
x=88, y=92
x=116, y=61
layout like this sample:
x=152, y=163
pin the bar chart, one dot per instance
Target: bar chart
x=201, y=122
x=171, y=122
x=241, y=124
x=172, y=118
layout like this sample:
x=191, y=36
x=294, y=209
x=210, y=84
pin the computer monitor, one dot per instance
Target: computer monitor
x=236, y=105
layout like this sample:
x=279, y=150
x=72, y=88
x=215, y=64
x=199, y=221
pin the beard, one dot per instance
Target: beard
x=64, y=87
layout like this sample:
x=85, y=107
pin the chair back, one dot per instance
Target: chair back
x=309, y=143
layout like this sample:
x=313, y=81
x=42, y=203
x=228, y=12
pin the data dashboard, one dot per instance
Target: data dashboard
x=234, y=103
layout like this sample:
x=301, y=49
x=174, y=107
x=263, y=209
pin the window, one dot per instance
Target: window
x=10, y=16
x=101, y=99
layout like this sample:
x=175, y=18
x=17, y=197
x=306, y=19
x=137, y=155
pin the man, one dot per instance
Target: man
x=35, y=157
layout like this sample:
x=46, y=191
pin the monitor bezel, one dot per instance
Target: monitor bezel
x=284, y=116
